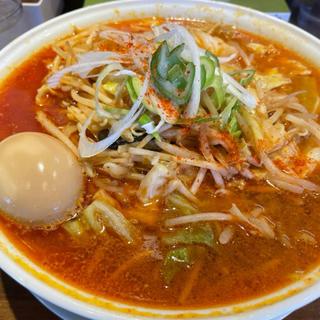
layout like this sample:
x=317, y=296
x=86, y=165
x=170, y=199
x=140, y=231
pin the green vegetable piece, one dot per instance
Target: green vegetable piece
x=233, y=126
x=217, y=81
x=133, y=86
x=207, y=119
x=219, y=91
x=168, y=59
x=175, y=260
x=110, y=86
x=226, y=113
x=175, y=55
x=163, y=63
x=131, y=90
x=214, y=58
x=144, y=119
x=203, y=76
x=181, y=204
x=176, y=76
x=208, y=67
x=174, y=83
x=247, y=79
x=190, y=235
x=228, y=118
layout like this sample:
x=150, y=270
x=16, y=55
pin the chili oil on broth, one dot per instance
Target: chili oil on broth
x=245, y=268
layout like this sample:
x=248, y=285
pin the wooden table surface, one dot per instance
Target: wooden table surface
x=16, y=303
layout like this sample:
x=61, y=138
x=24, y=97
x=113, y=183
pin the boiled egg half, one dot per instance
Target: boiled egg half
x=41, y=180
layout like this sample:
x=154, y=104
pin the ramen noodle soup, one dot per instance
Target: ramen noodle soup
x=198, y=150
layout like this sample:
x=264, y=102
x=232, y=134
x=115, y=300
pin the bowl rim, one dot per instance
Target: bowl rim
x=40, y=287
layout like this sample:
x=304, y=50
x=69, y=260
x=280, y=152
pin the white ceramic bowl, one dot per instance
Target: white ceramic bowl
x=64, y=296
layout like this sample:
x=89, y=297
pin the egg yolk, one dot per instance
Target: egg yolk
x=40, y=179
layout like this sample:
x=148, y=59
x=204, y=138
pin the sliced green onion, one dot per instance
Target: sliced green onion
x=171, y=75
x=176, y=76
x=214, y=58
x=208, y=67
x=175, y=55
x=216, y=80
x=162, y=66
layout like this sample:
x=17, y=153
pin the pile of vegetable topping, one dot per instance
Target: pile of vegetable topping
x=166, y=114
